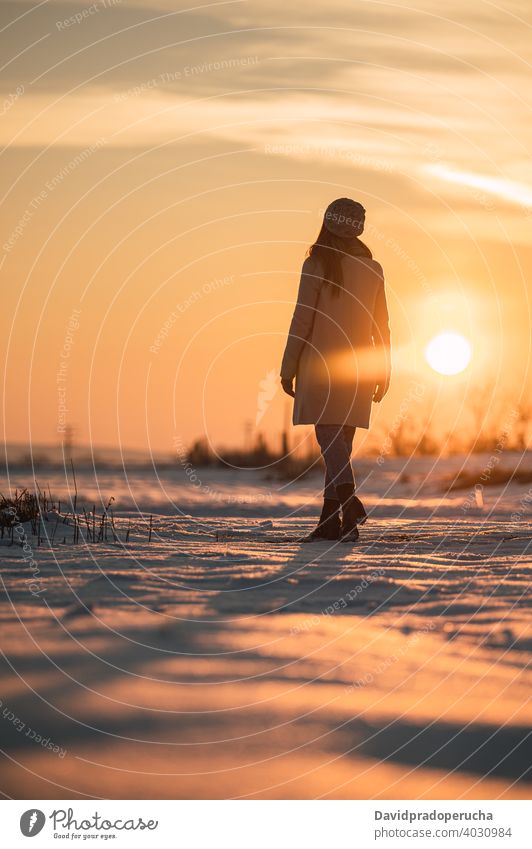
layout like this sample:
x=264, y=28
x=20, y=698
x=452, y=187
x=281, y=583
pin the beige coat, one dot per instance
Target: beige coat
x=337, y=343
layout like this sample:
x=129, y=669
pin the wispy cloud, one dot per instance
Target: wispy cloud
x=498, y=186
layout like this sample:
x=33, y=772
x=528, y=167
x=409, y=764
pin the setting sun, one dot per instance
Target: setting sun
x=448, y=353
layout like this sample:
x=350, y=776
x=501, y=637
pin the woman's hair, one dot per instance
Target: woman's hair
x=330, y=249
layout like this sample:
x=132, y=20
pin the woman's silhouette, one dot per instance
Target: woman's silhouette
x=338, y=351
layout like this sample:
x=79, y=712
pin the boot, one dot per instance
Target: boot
x=360, y=511
x=350, y=512
x=329, y=522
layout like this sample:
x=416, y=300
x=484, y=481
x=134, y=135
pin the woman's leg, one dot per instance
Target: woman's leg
x=349, y=433
x=329, y=522
x=335, y=443
x=329, y=489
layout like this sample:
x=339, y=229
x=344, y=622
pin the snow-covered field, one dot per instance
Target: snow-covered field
x=224, y=658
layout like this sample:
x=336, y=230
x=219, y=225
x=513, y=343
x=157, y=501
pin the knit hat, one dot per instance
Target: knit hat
x=344, y=217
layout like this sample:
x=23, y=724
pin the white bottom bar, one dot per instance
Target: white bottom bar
x=267, y=824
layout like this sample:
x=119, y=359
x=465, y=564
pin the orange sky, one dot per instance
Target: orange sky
x=164, y=172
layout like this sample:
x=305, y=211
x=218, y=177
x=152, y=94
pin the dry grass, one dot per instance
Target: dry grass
x=24, y=506
x=42, y=517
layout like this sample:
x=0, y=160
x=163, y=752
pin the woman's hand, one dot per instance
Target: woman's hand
x=287, y=384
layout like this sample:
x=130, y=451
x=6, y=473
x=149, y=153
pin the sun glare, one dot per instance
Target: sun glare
x=448, y=353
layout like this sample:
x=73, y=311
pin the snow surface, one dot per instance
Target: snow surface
x=227, y=659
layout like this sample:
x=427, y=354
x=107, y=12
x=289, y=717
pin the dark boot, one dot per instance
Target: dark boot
x=329, y=522
x=350, y=512
x=360, y=511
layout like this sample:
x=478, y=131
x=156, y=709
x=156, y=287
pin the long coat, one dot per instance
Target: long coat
x=337, y=343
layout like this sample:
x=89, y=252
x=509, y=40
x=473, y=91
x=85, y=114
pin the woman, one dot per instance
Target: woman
x=338, y=351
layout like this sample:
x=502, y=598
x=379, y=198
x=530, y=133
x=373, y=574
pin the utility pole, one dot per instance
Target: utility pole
x=68, y=442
